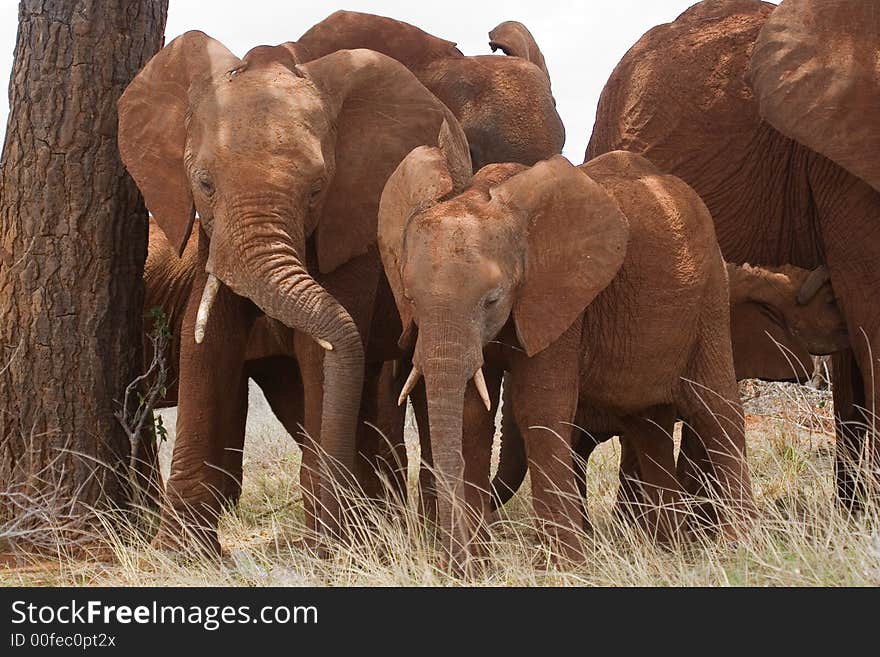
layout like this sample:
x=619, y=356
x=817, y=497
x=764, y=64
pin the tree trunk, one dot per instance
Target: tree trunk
x=73, y=239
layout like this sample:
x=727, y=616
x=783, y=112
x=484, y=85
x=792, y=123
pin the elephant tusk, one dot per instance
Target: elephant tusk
x=324, y=344
x=411, y=382
x=480, y=382
x=212, y=286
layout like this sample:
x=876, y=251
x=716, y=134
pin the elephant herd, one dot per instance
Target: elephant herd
x=367, y=215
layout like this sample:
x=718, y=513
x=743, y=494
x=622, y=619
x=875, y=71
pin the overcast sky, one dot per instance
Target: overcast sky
x=582, y=40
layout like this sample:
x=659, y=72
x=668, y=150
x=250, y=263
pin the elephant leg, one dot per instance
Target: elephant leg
x=715, y=415
x=381, y=464
x=279, y=379
x=857, y=396
x=630, y=501
x=147, y=472
x=233, y=448
x=691, y=469
x=649, y=438
x=512, y=463
x=584, y=445
x=545, y=399
x=211, y=414
x=390, y=419
x=848, y=211
x=850, y=429
x=427, y=480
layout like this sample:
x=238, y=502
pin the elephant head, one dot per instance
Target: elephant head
x=529, y=246
x=799, y=302
x=514, y=39
x=504, y=104
x=274, y=155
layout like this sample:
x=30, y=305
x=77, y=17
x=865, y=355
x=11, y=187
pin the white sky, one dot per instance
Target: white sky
x=582, y=41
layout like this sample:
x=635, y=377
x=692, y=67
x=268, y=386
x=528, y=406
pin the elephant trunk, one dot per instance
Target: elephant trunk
x=267, y=268
x=447, y=363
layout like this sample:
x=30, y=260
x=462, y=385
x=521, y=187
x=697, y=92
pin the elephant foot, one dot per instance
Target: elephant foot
x=181, y=533
x=470, y=564
x=702, y=518
x=230, y=496
x=562, y=546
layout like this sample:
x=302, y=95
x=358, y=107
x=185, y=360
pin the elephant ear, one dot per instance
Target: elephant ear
x=815, y=71
x=577, y=239
x=514, y=39
x=381, y=113
x=152, y=126
x=425, y=176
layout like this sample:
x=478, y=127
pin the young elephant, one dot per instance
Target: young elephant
x=600, y=289
x=799, y=303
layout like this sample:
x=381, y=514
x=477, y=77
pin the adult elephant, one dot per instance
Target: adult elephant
x=508, y=113
x=773, y=116
x=284, y=164
x=504, y=104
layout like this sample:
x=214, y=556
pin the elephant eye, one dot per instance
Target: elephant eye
x=492, y=298
x=315, y=194
x=205, y=183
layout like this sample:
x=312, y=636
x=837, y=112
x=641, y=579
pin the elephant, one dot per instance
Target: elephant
x=770, y=114
x=560, y=276
x=800, y=303
x=504, y=104
x=284, y=163
x=490, y=95
x=270, y=360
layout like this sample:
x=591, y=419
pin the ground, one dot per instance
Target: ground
x=801, y=537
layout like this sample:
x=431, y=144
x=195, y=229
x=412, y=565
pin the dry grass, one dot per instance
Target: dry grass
x=801, y=538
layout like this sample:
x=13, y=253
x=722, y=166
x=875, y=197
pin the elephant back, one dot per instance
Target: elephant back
x=681, y=97
x=342, y=30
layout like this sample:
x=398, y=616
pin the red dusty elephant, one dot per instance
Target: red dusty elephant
x=560, y=276
x=795, y=304
x=504, y=104
x=284, y=164
x=772, y=114
x=490, y=95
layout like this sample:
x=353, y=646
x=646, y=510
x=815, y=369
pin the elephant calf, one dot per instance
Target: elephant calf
x=798, y=303
x=600, y=289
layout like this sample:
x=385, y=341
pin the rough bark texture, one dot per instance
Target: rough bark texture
x=73, y=239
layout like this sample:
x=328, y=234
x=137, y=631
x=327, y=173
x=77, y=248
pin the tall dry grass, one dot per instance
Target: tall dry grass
x=800, y=538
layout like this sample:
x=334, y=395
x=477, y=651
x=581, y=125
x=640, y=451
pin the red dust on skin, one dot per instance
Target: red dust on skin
x=586, y=300
x=793, y=176
x=281, y=160
x=504, y=104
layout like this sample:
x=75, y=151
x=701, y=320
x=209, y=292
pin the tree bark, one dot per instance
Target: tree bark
x=73, y=239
